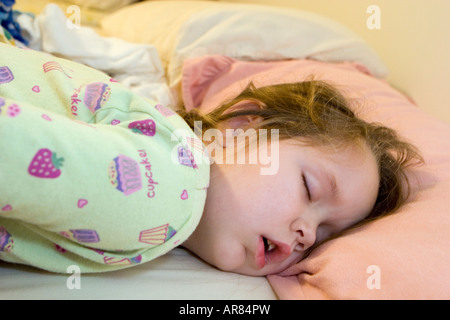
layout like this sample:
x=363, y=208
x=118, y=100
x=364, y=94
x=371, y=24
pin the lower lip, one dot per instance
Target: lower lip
x=260, y=254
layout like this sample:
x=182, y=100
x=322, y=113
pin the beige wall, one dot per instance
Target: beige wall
x=414, y=42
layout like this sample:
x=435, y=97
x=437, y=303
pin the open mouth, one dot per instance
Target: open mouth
x=269, y=251
x=269, y=245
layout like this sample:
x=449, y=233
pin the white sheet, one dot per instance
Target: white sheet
x=137, y=66
x=175, y=276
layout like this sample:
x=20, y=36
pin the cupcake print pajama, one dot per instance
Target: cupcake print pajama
x=91, y=174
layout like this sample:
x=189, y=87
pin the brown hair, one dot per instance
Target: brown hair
x=316, y=111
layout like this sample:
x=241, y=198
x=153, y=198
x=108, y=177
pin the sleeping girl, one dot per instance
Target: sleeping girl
x=95, y=176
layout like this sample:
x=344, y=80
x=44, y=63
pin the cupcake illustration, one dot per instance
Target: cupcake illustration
x=186, y=158
x=158, y=235
x=6, y=241
x=124, y=174
x=122, y=261
x=82, y=235
x=5, y=75
x=96, y=95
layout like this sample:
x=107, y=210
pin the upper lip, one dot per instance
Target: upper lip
x=280, y=253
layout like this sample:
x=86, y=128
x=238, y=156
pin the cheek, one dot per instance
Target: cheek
x=225, y=254
x=323, y=233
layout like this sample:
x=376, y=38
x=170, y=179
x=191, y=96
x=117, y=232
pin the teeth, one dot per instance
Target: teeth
x=270, y=245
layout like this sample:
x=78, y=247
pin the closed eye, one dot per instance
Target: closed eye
x=305, y=183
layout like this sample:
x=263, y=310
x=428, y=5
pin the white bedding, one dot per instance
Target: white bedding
x=137, y=66
x=175, y=276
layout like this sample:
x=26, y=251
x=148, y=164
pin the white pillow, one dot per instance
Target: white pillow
x=186, y=29
x=106, y=5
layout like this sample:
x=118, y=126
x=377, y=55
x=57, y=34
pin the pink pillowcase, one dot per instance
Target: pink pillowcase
x=403, y=256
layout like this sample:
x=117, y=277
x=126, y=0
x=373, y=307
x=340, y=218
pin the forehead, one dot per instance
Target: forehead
x=351, y=154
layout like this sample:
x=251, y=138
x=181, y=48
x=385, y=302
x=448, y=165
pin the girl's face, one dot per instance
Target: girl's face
x=261, y=224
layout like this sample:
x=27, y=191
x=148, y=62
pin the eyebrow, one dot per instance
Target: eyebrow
x=332, y=182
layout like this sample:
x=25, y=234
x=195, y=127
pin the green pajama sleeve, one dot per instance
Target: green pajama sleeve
x=90, y=174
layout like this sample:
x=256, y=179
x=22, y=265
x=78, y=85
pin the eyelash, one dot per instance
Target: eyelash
x=305, y=183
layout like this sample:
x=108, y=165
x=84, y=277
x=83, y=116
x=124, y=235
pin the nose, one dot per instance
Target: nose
x=305, y=236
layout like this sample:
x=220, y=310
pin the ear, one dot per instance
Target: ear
x=243, y=121
x=240, y=122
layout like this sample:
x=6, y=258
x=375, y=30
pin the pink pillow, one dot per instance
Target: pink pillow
x=403, y=256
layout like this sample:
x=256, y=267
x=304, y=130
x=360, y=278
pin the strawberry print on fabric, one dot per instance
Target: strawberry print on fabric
x=45, y=165
x=13, y=111
x=145, y=127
